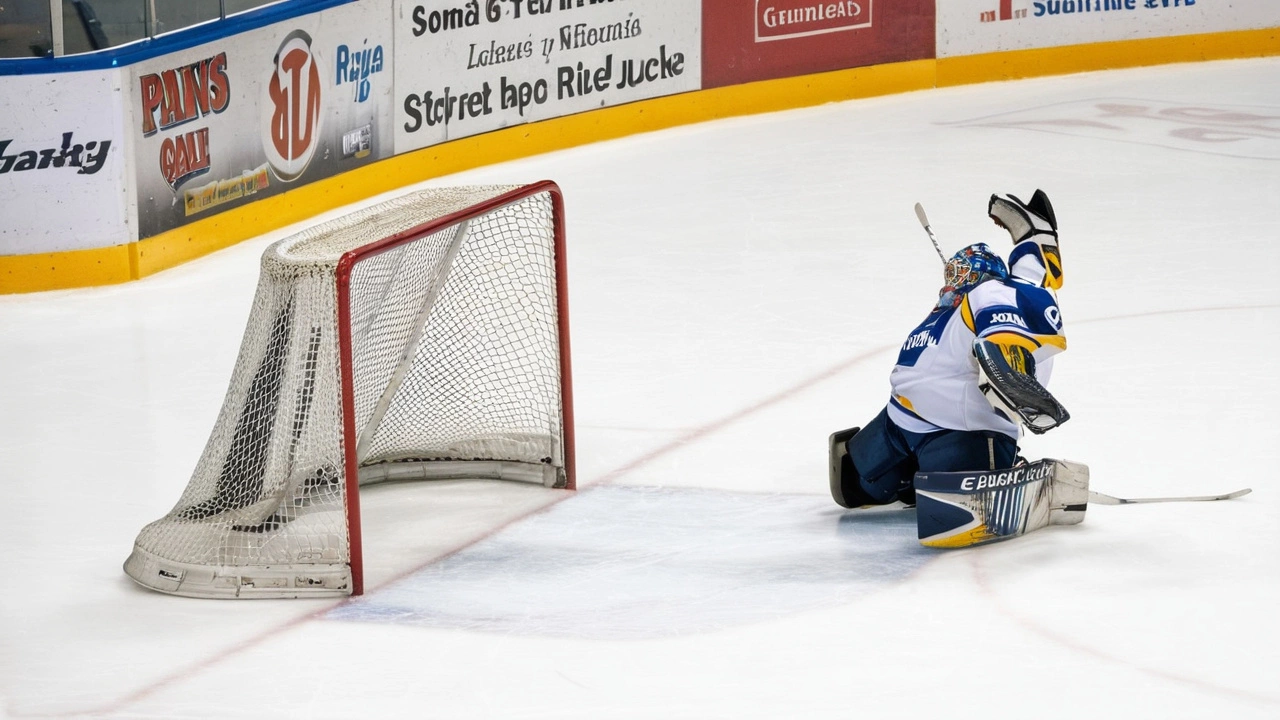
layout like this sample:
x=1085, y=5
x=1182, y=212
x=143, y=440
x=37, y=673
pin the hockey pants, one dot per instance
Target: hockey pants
x=888, y=457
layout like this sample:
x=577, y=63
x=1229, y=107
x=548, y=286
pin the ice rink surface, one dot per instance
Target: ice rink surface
x=738, y=290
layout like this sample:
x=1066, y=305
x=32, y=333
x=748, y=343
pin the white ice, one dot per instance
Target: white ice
x=738, y=290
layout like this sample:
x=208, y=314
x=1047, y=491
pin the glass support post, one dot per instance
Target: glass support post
x=55, y=28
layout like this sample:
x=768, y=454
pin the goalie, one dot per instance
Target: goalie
x=968, y=378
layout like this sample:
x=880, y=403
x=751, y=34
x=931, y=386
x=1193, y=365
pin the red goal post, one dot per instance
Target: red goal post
x=344, y=268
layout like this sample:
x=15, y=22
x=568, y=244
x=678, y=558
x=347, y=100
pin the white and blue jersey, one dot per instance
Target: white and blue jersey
x=935, y=381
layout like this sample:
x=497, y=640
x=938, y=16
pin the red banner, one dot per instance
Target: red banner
x=748, y=40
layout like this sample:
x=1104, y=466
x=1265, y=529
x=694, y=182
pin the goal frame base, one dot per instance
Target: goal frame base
x=539, y=474
x=214, y=581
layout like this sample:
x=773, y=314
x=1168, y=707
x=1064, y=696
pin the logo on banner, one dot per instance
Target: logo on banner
x=1006, y=11
x=199, y=199
x=87, y=157
x=173, y=98
x=787, y=19
x=358, y=143
x=291, y=115
x=354, y=67
x=1075, y=7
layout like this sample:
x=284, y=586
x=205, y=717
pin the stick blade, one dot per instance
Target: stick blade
x=924, y=219
x=1103, y=499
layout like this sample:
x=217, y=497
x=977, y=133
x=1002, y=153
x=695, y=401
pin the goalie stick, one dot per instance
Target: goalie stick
x=1104, y=499
x=924, y=222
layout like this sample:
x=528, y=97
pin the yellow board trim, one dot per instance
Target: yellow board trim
x=105, y=266
x=1018, y=64
x=69, y=269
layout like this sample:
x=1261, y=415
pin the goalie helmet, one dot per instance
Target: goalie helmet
x=967, y=268
x=972, y=265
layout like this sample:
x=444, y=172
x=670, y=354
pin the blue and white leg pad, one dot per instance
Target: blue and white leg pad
x=959, y=509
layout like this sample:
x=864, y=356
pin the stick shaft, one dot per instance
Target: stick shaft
x=924, y=223
x=1104, y=499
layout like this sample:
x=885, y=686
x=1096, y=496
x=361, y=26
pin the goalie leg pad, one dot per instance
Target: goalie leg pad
x=959, y=509
x=1070, y=493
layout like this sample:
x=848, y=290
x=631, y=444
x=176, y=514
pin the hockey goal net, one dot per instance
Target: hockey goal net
x=424, y=337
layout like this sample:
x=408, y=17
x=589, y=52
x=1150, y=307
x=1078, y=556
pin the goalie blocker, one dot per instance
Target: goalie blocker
x=1006, y=377
x=959, y=509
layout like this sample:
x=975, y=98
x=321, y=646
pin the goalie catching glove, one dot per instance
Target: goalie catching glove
x=1033, y=227
x=1006, y=377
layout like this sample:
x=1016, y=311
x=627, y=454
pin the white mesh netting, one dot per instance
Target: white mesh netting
x=455, y=360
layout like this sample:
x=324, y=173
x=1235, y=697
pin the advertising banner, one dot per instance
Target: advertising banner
x=754, y=40
x=971, y=27
x=465, y=67
x=235, y=120
x=62, y=163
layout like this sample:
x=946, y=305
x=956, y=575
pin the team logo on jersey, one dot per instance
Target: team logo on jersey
x=1007, y=318
x=1054, y=316
x=919, y=340
x=925, y=336
x=291, y=116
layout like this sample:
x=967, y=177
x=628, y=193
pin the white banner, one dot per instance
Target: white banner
x=62, y=163
x=971, y=27
x=467, y=67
